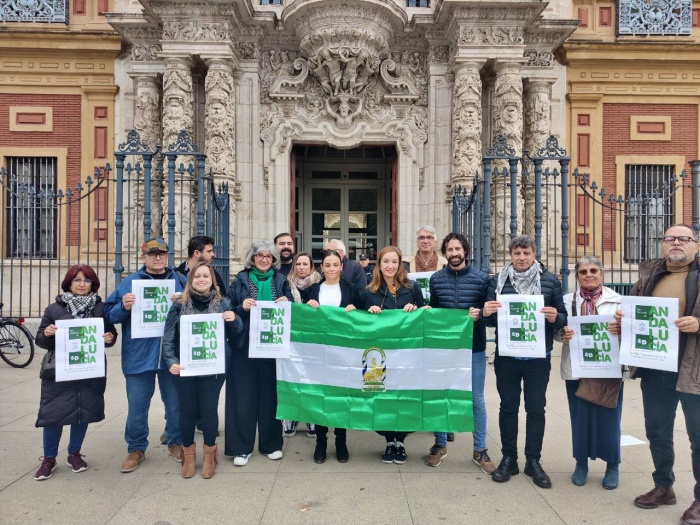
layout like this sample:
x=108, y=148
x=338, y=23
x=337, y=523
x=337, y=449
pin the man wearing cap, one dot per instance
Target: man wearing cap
x=141, y=361
x=366, y=266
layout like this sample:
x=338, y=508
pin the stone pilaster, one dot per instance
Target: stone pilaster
x=466, y=122
x=220, y=120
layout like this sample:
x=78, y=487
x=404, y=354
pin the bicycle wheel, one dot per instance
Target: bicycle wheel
x=16, y=344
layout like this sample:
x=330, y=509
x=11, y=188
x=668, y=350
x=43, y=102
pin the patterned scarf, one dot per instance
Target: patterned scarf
x=302, y=283
x=211, y=297
x=261, y=285
x=525, y=283
x=79, y=306
x=426, y=266
x=589, y=300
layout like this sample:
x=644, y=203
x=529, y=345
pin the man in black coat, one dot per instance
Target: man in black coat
x=524, y=275
x=200, y=248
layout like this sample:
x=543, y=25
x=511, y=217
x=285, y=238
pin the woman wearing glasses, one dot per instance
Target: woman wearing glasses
x=251, y=386
x=75, y=403
x=595, y=429
x=390, y=289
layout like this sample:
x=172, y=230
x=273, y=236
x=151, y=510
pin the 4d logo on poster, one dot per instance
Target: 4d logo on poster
x=82, y=342
x=524, y=321
x=156, y=305
x=272, y=325
x=652, y=330
x=205, y=343
x=596, y=342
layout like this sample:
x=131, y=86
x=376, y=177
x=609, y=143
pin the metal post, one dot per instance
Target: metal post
x=119, y=220
x=695, y=194
x=200, y=194
x=486, y=228
x=538, y=208
x=147, y=158
x=513, y=163
x=171, y=208
x=564, y=271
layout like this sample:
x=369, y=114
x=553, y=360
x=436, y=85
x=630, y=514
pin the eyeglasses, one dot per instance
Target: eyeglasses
x=157, y=255
x=682, y=239
x=426, y=238
x=261, y=257
x=83, y=281
x=586, y=271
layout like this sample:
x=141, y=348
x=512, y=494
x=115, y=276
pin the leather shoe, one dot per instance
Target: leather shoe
x=320, y=452
x=655, y=497
x=692, y=515
x=537, y=473
x=506, y=468
x=341, y=451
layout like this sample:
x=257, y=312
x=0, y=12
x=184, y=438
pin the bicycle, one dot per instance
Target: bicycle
x=16, y=342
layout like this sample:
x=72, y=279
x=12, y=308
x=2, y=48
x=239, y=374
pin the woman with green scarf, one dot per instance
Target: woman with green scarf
x=251, y=386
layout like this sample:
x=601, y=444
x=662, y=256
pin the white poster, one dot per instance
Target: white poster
x=423, y=280
x=521, y=326
x=202, y=345
x=80, y=349
x=595, y=352
x=649, y=338
x=270, y=329
x=153, y=300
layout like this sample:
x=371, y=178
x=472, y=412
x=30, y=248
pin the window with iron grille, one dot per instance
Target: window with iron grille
x=31, y=207
x=417, y=3
x=270, y=2
x=650, y=209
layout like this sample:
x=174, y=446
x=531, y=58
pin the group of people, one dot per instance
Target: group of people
x=273, y=272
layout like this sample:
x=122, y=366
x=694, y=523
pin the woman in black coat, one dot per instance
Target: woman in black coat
x=331, y=291
x=390, y=289
x=75, y=403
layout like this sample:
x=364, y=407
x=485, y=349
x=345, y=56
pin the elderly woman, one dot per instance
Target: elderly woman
x=251, y=386
x=79, y=402
x=595, y=429
x=302, y=275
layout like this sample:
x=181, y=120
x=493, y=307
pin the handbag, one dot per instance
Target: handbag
x=599, y=391
x=48, y=366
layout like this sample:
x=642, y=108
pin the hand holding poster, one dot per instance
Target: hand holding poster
x=148, y=313
x=649, y=338
x=80, y=349
x=202, y=345
x=270, y=328
x=423, y=280
x=595, y=352
x=521, y=326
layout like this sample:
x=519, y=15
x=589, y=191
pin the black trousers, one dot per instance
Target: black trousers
x=391, y=436
x=251, y=403
x=199, y=403
x=530, y=377
x=321, y=432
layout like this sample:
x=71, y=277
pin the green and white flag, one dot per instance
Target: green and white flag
x=390, y=371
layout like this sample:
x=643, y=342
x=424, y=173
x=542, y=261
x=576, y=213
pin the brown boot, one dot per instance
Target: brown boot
x=211, y=458
x=189, y=460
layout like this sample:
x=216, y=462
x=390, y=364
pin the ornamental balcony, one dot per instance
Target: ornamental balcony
x=43, y=11
x=654, y=17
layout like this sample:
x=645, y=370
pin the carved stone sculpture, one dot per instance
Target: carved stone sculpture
x=220, y=120
x=466, y=123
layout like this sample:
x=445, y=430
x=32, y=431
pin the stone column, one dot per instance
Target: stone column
x=466, y=122
x=537, y=128
x=178, y=114
x=147, y=120
x=508, y=121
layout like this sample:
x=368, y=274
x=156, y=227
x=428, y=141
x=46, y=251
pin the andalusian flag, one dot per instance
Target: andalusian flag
x=390, y=371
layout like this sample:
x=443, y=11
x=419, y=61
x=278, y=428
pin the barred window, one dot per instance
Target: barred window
x=270, y=2
x=650, y=209
x=417, y=3
x=31, y=209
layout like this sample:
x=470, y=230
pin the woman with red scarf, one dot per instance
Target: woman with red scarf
x=595, y=429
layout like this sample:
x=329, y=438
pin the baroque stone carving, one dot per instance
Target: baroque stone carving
x=539, y=57
x=466, y=123
x=195, y=31
x=439, y=53
x=140, y=33
x=491, y=35
x=145, y=52
x=178, y=101
x=219, y=120
x=469, y=13
x=248, y=50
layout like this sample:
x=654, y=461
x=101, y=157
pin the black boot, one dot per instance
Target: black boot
x=507, y=468
x=537, y=473
x=341, y=449
x=320, y=452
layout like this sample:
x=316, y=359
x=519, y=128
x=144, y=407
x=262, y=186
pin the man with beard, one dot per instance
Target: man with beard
x=459, y=285
x=675, y=275
x=285, y=246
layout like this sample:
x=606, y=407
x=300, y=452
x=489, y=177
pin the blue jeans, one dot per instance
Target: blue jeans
x=478, y=383
x=660, y=400
x=139, y=391
x=52, y=437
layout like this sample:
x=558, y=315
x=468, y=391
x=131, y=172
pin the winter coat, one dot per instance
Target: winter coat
x=608, y=303
x=465, y=288
x=550, y=290
x=689, y=344
x=348, y=294
x=383, y=299
x=409, y=263
x=138, y=355
x=171, y=335
x=67, y=402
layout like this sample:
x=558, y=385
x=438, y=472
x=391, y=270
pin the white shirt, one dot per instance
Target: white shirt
x=329, y=294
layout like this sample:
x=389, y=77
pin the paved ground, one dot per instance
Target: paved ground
x=296, y=490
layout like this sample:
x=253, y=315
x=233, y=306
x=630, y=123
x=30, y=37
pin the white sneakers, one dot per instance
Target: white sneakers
x=277, y=454
x=241, y=460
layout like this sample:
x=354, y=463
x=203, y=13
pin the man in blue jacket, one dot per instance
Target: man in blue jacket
x=524, y=275
x=141, y=361
x=459, y=285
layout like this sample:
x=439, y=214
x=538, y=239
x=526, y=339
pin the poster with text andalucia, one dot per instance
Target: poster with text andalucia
x=149, y=311
x=521, y=326
x=202, y=345
x=270, y=329
x=595, y=352
x=648, y=337
x=80, y=349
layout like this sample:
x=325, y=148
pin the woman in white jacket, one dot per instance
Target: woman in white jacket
x=595, y=429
